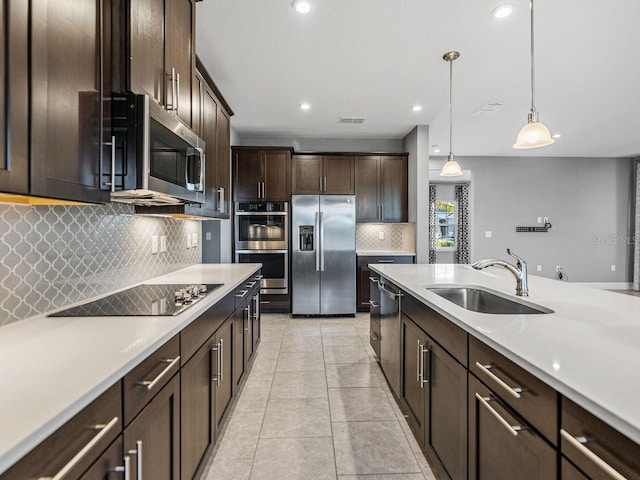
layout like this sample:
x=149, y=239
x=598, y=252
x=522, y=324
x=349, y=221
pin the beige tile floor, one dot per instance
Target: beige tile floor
x=315, y=406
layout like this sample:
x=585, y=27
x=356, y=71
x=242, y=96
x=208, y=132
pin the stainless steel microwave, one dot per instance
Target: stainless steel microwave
x=156, y=160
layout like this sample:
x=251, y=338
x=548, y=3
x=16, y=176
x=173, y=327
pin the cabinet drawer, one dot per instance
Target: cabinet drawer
x=451, y=337
x=147, y=379
x=597, y=449
x=242, y=293
x=533, y=399
x=197, y=332
x=364, y=260
x=374, y=335
x=94, y=428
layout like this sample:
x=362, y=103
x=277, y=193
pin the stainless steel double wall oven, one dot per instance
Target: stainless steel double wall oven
x=262, y=236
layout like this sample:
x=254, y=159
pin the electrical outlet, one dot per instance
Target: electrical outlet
x=163, y=243
x=381, y=235
x=613, y=268
x=558, y=267
x=545, y=219
x=154, y=244
x=539, y=268
x=207, y=236
x=188, y=240
x=539, y=219
x=194, y=240
x=488, y=234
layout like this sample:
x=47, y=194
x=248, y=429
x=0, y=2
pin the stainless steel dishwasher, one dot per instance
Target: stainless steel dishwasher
x=390, y=298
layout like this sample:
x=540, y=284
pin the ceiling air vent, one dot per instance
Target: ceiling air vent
x=351, y=120
x=487, y=109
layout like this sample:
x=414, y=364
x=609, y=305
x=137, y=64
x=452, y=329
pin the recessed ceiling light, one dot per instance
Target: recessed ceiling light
x=556, y=135
x=304, y=106
x=503, y=11
x=416, y=108
x=302, y=6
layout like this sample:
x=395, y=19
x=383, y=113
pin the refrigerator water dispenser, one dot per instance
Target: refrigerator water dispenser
x=306, y=238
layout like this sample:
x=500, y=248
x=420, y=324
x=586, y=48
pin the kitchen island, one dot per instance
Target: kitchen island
x=52, y=368
x=587, y=350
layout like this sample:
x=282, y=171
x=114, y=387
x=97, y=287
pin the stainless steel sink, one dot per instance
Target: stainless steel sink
x=478, y=299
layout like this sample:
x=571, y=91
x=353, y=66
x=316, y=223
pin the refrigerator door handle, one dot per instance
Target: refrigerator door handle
x=321, y=241
x=317, y=245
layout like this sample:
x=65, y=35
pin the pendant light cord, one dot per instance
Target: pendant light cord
x=451, y=107
x=533, y=68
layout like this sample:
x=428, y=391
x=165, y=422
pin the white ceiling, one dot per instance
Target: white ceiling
x=377, y=58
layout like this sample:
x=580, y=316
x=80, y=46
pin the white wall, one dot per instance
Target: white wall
x=588, y=202
x=416, y=143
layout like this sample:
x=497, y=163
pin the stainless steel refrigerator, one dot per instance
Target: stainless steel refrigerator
x=323, y=268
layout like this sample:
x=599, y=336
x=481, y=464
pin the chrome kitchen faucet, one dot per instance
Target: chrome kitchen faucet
x=519, y=271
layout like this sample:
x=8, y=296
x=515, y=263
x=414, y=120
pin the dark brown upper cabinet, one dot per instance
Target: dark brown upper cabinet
x=261, y=173
x=381, y=188
x=211, y=122
x=161, y=59
x=60, y=73
x=14, y=97
x=322, y=174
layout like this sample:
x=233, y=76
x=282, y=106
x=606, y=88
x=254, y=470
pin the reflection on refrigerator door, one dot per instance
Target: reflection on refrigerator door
x=324, y=260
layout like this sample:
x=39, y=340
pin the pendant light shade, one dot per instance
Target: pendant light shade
x=534, y=134
x=451, y=168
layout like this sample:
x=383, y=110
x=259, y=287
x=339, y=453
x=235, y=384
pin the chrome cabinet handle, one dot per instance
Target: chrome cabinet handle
x=216, y=378
x=258, y=277
x=425, y=377
x=125, y=469
x=325, y=183
x=578, y=443
x=513, y=391
x=177, y=97
x=171, y=106
x=387, y=292
x=221, y=199
x=103, y=430
x=373, y=304
x=373, y=279
x=258, y=189
x=418, y=364
x=138, y=453
x=242, y=293
x=150, y=384
x=513, y=429
x=221, y=376
x=250, y=284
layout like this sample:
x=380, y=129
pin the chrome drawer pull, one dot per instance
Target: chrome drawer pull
x=373, y=336
x=152, y=383
x=258, y=277
x=242, y=293
x=513, y=391
x=425, y=378
x=126, y=469
x=216, y=348
x=373, y=279
x=103, y=431
x=373, y=304
x=513, y=429
x=250, y=284
x=598, y=462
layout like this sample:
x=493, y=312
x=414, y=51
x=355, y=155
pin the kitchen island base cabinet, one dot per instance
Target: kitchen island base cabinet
x=501, y=445
x=434, y=396
x=110, y=462
x=153, y=438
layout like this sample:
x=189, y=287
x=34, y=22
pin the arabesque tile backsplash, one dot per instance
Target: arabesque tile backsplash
x=51, y=256
x=397, y=236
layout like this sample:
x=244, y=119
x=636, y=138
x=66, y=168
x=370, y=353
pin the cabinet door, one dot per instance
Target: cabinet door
x=195, y=405
x=276, y=176
x=108, y=463
x=497, y=450
x=246, y=168
x=367, y=189
x=446, y=415
x=147, y=42
x=255, y=321
x=247, y=324
x=339, y=176
x=306, y=174
x=222, y=369
x=196, y=106
x=154, y=436
x=223, y=161
x=14, y=97
x=238, y=345
x=393, y=188
x=179, y=53
x=363, y=289
x=413, y=385
x=209, y=123
x=66, y=100
x=569, y=472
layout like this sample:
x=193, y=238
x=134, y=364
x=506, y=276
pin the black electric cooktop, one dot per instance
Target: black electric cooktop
x=143, y=300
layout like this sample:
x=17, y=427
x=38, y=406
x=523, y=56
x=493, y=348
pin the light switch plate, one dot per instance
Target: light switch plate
x=163, y=243
x=488, y=234
x=207, y=235
x=154, y=244
x=194, y=240
x=539, y=268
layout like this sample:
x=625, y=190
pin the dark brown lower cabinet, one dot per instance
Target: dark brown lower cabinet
x=222, y=379
x=501, y=445
x=239, y=347
x=255, y=320
x=434, y=393
x=569, y=472
x=108, y=465
x=153, y=439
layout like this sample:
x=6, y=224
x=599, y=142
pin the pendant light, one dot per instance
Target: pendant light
x=451, y=168
x=535, y=133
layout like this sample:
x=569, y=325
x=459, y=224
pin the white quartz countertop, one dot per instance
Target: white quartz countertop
x=51, y=368
x=377, y=253
x=588, y=350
